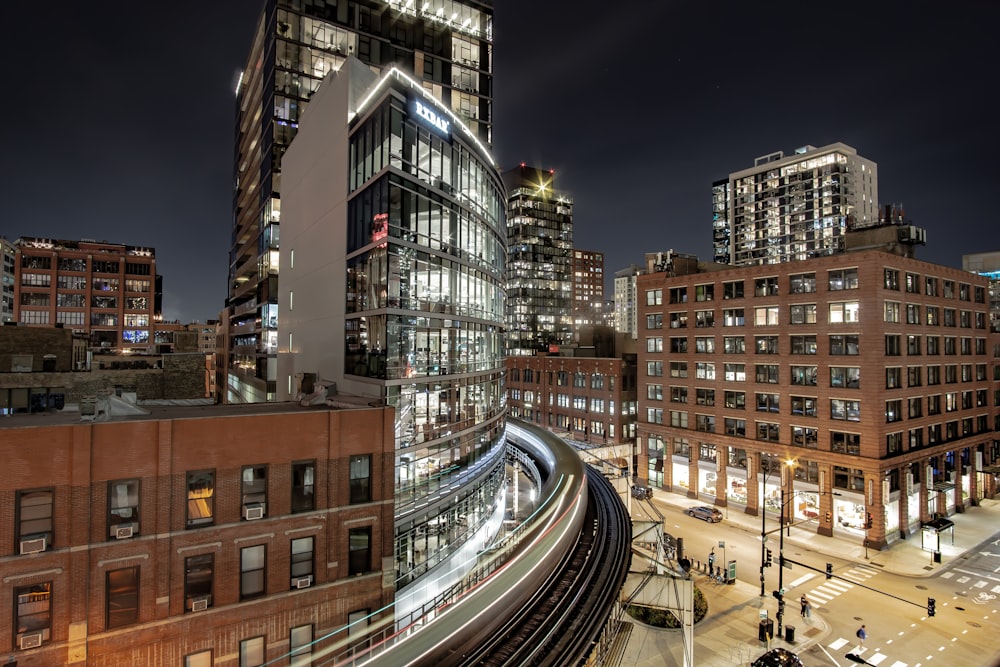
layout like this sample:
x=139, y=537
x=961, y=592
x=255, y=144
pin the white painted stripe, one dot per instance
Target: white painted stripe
x=981, y=584
x=801, y=580
x=842, y=586
x=995, y=589
x=840, y=641
x=818, y=596
x=899, y=664
x=877, y=658
x=947, y=575
x=962, y=580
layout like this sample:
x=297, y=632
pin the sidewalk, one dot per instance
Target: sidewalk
x=728, y=634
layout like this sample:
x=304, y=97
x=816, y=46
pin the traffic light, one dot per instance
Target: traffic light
x=768, y=559
x=868, y=523
x=930, y=606
x=829, y=517
x=829, y=570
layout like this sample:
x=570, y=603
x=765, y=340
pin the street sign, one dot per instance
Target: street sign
x=722, y=545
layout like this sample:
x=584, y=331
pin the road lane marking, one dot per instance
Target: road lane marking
x=840, y=641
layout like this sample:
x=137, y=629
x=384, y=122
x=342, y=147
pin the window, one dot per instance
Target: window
x=934, y=345
x=845, y=410
x=934, y=404
x=965, y=345
x=766, y=344
x=596, y=381
x=804, y=436
x=654, y=321
x=736, y=400
x=848, y=478
x=705, y=370
x=912, y=345
x=679, y=320
x=912, y=313
x=34, y=520
x=913, y=376
x=736, y=372
x=678, y=419
x=980, y=320
x=804, y=344
x=804, y=406
x=303, y=481
x=654, y=392
x=122, y=597
x=845, y=443
x=201, y=498
x=842, y=279
x=802, y=283
x=804, y=313
x=733, y=317
x=198, y=582
x=704, y=423
x=705, y=396
x=359, y=557
x=933, y=375
x=914, y=408
x=891, y=279
x=254, y=492
x=846, y=311
x=737, y=427
x=912, y=283
x=678, y=345
x=848, y=377
x=933, y=315
x=704, y=292
x=33, y=614
x=768, y=431
x=704, y=319
x=252, y=652
x=732, y=290
x=678, y=369
x=302, y=561
x=123, y=508
x=930, y=286
x=654, y=297
x=765, y=287
x=891, y=311
x=844, y=345
x=949, y=345
x=804, y=375
x=768, y=403
x=949, y=317
x=965, y=319
x=766, y=316
x=963, y=291
x=766, y=373
x=704, y=345
x=654, y=415
x=893, y=411
x=655, y=368
x=893, y=377
x=252, y=575
x=894, y=442
x=300, y=645
x=361, y=471
x=678, y=295
x=733, y=345
x=980, y=294
x=892, y=346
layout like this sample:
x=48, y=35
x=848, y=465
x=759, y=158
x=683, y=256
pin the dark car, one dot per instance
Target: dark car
x=778, y=657
x=705, y=513
x=642, y=492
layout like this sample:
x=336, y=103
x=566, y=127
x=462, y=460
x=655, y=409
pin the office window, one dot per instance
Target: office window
x=934, y=345
x=766, y=316
x=934, y=434
x=361, y=471
x=654, y=415
x=949, y=317
x=678, y=320
x=736, y=372
x=844, y=345
x=914, y=408
x=912, y=313
x=678, y=394
x=804, y=436
x=678, y=295
x=733, y=317
x=768, y=403
x=892, y=345
x=804, y=375
x=596, y=381
x=963, y=291
x=678, y=419
x=851, y=479
x=198, y=577
x=980, y=293
x=891, y=279
x=768, y=431
x=704, y=292
x=580, y=379
x=965, y=319
x=893, y=411
x=732, y=290
x=950, y=345
x=654, y=321
x=654, y=392
x=34, y=521
x=678, y=369
x=734, y=345
x=704, y=423
x=200, y=498
x=254, y=480
x=804, y=313
x=912, y=283
x=300, y=645
x=847, y=377
x=845, y=410
x=933, y=314
x=655, y=368
x=252, y=652
x=737, y=427
x=736, y=400
x=766, y=373
x=704, y=345
x=930, y=286
x=804, y=406
x=801, y=283
x=303, y=481
x=912, y=345
x=933, y=375
x=122, y=597
x=766, y=344
x=894, y=442
x=32, y=615
x=704, y=319
x=842, y=279
x=845, y=443
x=252, y=573
x=980, y=320
x=765, y=287
x=705, y=396
x=123, y=508
x=804, y=344
x=965, y=345
x=654, y=297
x=844, y=312
x=891, y=311
x=893, y=377
x=913, y=376
x=678, y=345
x=705, y=370
x=359, y=556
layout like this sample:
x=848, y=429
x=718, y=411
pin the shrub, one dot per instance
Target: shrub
x=661, y=618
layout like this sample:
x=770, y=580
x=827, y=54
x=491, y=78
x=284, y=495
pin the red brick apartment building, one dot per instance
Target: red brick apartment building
x=193, y=536
x=593, y=398
x=860, y=389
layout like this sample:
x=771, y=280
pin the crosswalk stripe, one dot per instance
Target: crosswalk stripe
x=947, y=575
x=963, y=579
x=995, y=589
x=819, y=596
x=836, y=644
x=842, y=586
x=899, y=664
x=877, y=658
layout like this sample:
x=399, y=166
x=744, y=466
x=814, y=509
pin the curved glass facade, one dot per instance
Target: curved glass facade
x=425, y=316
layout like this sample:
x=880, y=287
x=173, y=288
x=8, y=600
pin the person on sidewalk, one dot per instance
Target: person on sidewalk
x=711, y=561
x=806, y=608
x=862, y=636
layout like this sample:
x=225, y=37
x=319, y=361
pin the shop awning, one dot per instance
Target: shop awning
x=943, y=486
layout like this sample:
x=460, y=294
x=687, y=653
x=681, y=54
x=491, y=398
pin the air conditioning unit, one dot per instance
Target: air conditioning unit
x=303, y=582
x=123, y=532
x=201, y=604
x=251, y=513
x=34, y=640
x=32, y=546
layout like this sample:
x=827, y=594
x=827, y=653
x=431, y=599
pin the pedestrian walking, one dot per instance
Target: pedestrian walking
x=862, y=636
x=711, y=561
x=806, y=609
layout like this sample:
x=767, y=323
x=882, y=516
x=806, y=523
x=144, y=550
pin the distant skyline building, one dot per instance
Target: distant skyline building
x=539, y=262
x=7, y=271
x=793, y=207
x=393, y=256
x=625, y=304
x=987, y=264
x=447, y=43
x=108, y=291
x=588, y=289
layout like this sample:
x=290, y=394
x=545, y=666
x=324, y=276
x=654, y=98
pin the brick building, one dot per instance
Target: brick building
x=862, y=384
x=194, y=536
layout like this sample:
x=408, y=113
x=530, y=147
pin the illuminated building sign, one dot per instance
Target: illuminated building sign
x=436, y=121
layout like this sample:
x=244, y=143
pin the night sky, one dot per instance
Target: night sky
x=118, y=124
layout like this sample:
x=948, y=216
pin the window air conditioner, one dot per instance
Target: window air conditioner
x=32, y=546
x=34, y=640
x=123, y=532
x=302, y=582
x=251, y=513
x=201, y=604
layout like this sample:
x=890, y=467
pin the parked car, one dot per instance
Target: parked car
x=705, y=513
x=778, y=657
x=642, y=492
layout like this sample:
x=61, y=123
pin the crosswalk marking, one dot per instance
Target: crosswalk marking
x=947, y=575
x=836, y=644
x=963, y=579
x=898, y=664
x=876, y=658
